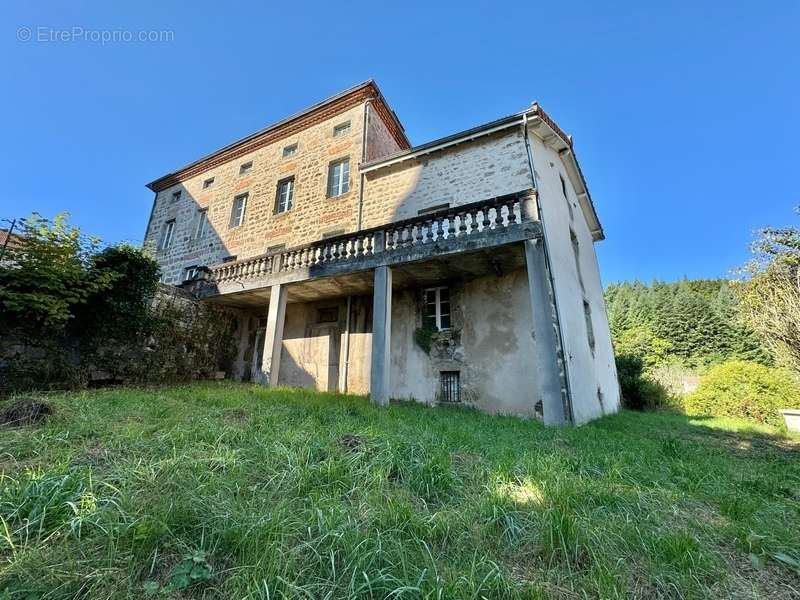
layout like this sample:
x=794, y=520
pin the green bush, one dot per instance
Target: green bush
x=639, y=392
x=746, y=390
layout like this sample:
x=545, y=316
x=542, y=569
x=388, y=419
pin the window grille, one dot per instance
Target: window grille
x=451, y=386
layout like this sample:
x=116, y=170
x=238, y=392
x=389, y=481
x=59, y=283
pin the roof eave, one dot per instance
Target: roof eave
x=176, y=176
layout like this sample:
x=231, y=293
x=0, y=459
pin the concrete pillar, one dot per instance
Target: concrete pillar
x=545, y=343
x=381, y=336
x=273, y=336
x=239, y=366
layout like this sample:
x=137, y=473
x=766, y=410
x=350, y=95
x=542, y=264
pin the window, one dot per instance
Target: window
x=433, y=209
x=566, y=198
x=191, y=273
x=339, y=178
x=450, y=386
x=229, y=258
x=285, y=195
x=289, y=150
x=239, y=208
x=176, y=196
x=246, y=167
x=341, y=129
x=577, y=256
x=436, y=312
x=202, y=224
x=587, y=313
x=328, y=315
x=208, y=183
x=166, y=234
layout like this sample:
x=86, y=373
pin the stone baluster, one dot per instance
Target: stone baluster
x=447, y=223
x=512, y=215
x=462, y=223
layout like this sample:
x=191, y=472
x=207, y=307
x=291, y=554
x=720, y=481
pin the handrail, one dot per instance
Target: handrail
x=499, y=212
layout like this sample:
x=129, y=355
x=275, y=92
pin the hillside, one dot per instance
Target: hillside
x=692, y=322
x=232, y=491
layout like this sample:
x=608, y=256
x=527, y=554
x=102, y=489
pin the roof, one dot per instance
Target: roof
x=329, y=107
x=10, y=240
x=538, y=120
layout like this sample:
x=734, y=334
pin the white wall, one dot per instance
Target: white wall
x=587, y=371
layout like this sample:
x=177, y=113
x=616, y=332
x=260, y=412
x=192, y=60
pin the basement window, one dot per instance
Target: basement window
x=328, y=315
x=436, y=309
x=450, y=390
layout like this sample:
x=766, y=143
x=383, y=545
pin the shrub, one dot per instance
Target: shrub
x=746, y=390
x=639, y=392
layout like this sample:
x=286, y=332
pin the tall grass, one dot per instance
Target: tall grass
x=233, y=491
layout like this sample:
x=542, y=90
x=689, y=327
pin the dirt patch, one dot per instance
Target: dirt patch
x=771, y=580
x=25, y=411
x=236, y=415
x=351, y=442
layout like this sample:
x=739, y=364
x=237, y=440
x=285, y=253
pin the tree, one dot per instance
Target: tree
x=770, y=293
x=48, y=273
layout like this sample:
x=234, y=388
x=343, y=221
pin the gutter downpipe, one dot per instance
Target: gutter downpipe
x=546, y=248
x=346, y=350
x=346, y=341
x=363, y=160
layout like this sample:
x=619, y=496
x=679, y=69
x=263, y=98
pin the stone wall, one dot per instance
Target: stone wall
x=491, y=166
x=313, y=214
x=380, y=141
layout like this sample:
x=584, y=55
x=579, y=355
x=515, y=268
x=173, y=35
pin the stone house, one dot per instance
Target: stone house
x=461, y=270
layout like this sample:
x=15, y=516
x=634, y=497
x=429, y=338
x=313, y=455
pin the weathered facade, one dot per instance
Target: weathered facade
x=461, y=271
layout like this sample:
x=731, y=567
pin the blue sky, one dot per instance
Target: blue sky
x=684, y=114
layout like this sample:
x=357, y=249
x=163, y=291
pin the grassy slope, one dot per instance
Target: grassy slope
x=438, y=503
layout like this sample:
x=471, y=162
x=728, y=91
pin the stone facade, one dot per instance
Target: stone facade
x=335, y=288
x=458, y=175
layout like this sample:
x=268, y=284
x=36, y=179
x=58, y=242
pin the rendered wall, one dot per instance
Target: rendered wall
x=492, y=346
x=588, y=371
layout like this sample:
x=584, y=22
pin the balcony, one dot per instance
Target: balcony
x=481, y=233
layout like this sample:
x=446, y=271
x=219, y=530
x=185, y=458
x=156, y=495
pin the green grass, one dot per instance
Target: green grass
x=234, y=491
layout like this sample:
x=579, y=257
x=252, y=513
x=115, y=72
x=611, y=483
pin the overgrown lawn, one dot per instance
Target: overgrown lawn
x=235, y=491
